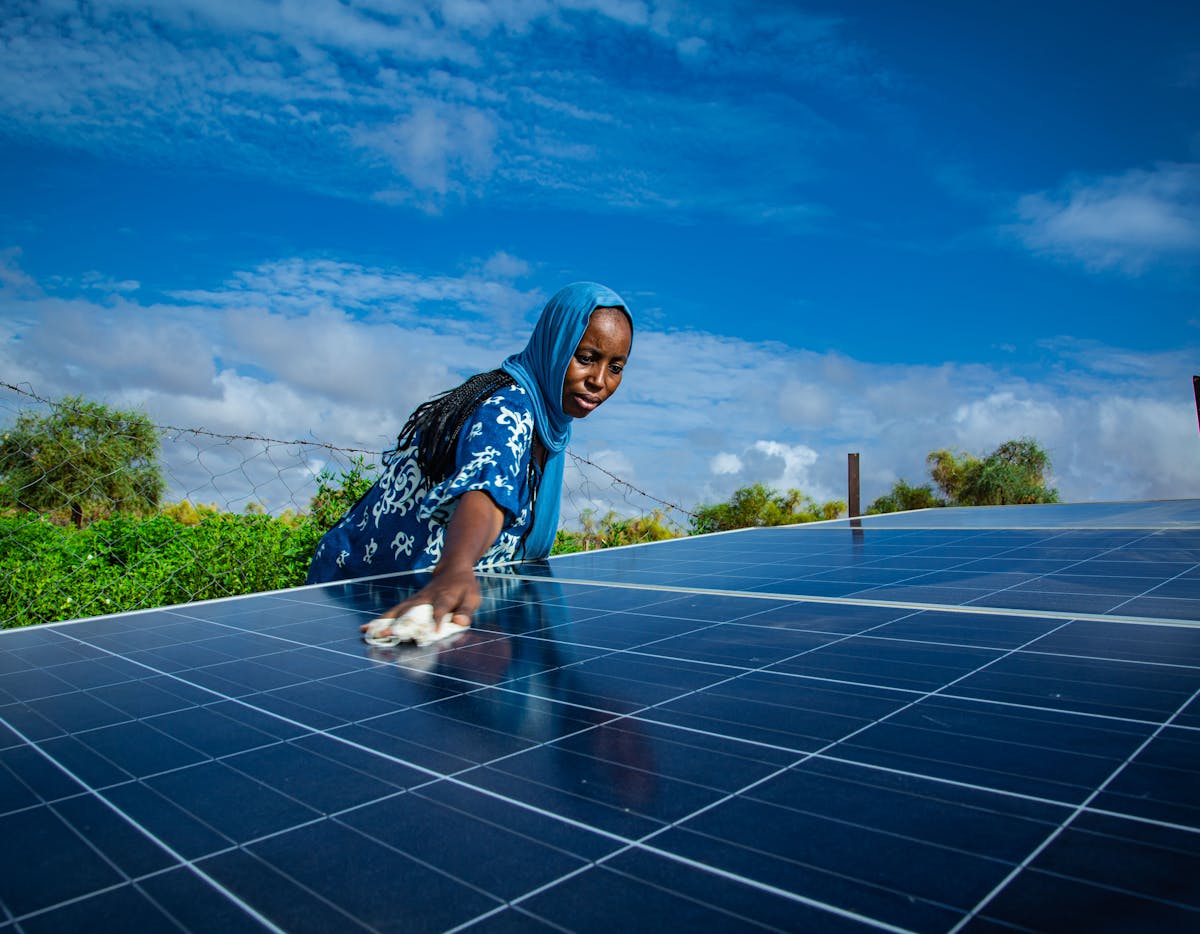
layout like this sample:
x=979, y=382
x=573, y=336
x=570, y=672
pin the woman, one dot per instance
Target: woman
x=476, y=475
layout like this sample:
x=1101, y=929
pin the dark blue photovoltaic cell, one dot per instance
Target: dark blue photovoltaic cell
x=1122, y=571
x=1158, y=514
x=899, y=726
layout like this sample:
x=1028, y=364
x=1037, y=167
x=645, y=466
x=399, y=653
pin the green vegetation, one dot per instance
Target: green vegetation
x=902, y=497
x=759, y=505
x=1014, y=473
x=612, y=530
x=84, y=460
x=337, y=493
x=50, y=570
x=83, y=531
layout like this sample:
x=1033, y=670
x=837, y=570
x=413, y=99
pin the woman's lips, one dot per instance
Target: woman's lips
x=587, y=403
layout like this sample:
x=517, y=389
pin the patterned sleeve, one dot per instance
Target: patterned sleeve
x=494, y=450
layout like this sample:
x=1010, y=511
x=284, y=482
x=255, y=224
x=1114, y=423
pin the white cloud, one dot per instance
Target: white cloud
x=305, y=349
x=773, y=463
x=1143, y=446
x=1125, y=222
x=983, y=423
x=432, y=104
x=504, y=266
x=806, y=404
x=101, y=283
x=438, y=149
x=13, y=279
x=725, y=463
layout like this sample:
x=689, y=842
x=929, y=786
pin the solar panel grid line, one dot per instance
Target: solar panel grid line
x=749, y=788
x=1062, y=801
x=1034, y=708
x=1100, y=555
x=919, y=683
x=365, y=748
x=178, y=858
x=869, y=634
x=1141, y=819
x=742, y=791
x=987, y=790
x=1160, y=585
x=291, y=722
x=827, y=754
x=1048, y=654
x=1192, y=610
x=742, y=880
x=217, y=695
x=849, y=915
x=215, y=884
x=891, y=604
x=991, y=896
x=941, y=780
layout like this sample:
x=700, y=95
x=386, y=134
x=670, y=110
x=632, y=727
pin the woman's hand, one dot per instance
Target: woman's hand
x=474, y=527
x=454, y=591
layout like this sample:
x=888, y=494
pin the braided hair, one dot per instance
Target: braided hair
x=437, y=424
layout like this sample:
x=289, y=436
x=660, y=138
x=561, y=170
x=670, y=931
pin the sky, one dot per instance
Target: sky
x=863, y=227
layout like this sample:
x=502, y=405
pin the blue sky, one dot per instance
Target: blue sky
x=873, y=227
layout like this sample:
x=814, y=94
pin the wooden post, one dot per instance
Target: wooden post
x=852, y=500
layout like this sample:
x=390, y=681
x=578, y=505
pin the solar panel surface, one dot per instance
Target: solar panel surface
x=889, y=724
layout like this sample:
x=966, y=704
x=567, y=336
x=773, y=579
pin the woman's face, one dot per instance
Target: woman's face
x=594, y=372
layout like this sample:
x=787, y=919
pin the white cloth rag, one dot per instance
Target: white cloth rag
x=414, y=625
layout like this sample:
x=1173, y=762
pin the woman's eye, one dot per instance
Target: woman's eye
x=616, y=368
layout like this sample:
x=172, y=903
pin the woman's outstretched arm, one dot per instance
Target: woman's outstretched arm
x=473, y=529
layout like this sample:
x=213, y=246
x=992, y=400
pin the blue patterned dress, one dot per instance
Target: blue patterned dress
x=401, y=522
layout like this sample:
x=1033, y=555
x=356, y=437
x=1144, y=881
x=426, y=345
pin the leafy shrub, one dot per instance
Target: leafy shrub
x=83, y=460
x=1014, y=473
x=54, y=572
x=612, y=530
x=903, y=497
x=337, y=493
x=759, y=505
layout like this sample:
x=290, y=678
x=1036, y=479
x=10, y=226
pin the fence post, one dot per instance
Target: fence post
x=1196, y=389
x=852, y=500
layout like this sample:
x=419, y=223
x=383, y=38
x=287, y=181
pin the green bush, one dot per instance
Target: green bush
x=612, y=530
x=903, y=496
x=1015, y=473
x=52, y=572
x=758, y=505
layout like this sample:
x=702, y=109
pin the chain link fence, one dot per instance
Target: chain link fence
x=103, y=511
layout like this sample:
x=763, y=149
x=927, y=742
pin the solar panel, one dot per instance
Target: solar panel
x=907, y=723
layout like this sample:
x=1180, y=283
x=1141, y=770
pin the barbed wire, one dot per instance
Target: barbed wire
x=203, y=432
x=622, y=484
x=199, y=514
x=579, y=459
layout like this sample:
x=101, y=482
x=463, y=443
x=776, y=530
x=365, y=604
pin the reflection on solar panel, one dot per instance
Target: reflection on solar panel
x=911, y=723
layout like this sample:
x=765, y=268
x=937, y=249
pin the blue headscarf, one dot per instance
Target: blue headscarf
x=541, y=369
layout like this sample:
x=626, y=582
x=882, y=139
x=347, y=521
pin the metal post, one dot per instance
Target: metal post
x=852, y=483
x=1196, y=389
